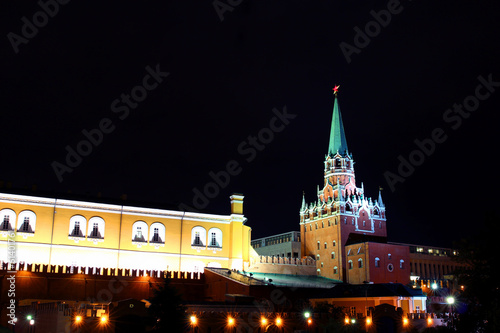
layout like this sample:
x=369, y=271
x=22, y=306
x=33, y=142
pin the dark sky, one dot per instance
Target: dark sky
x=224, y=79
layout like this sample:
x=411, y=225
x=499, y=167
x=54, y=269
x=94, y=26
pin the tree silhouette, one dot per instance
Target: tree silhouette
x=166, y=309
x=480, y=279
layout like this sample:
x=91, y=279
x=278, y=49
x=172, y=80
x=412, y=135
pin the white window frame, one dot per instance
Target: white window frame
x=161, y=233
x=83, y=225
x=31, y=218
x=144, y=228
x=202, y=236
x=100, y=227
x=218, y=238
x=12, y=219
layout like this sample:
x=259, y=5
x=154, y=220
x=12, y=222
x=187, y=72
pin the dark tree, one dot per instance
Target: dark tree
x=166, y=309
x=480, y=279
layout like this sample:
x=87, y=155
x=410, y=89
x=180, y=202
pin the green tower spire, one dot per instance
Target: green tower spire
x=338, y=142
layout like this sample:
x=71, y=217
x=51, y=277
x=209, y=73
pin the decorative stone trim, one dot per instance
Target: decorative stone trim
x=157, y=245
x=25, y=234
x=139, y=244
x=214, y=248
x=95, y=240
x=76, y=238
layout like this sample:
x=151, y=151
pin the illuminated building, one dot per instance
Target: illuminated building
x=86, y=234
x=343, y=229
x=282, y=245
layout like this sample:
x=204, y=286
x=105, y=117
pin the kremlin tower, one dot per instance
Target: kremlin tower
x=343, y=229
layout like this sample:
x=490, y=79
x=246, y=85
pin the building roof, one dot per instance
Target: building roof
x=338, y=141
x=272, y=279
x=370, y=290
x=302, y=281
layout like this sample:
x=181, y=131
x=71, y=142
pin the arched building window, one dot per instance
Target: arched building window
x=96, y=227
x=377, y=262
x=335, y=270
x=7, y=219
x=27, y=221
x=402, y=264
x=349, y=264
x=360, y=263
x=140, y=231
x=157, y=233
x=333, y=255
x=77, y=226
x=215, y=237
x=198, y=236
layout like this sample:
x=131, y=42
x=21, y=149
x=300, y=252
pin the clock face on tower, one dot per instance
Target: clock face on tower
x=390, y=267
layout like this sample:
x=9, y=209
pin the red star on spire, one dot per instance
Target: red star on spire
x=336, y=90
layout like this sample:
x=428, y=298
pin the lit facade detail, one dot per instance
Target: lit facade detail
x=75, y=233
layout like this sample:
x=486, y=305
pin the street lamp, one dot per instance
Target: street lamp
x=451, y=300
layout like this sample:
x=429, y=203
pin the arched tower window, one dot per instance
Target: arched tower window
x=360, y=263
x=27, y=221
x=77, y=226
x=157, y=233
x=96, y=227
x=377, y=262
x=139, y=231
x=402, y=264
x=348, y=208
x=198, y=236
x=333, y=255
x=215, y=237
x=7, y=219
x=349, y=264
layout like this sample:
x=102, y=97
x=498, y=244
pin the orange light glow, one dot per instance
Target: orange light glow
x=278, y=321
x=263, y=321
x=230, y=321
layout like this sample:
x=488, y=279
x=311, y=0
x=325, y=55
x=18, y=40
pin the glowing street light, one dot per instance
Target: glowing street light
x=78, y=319
x=279, y=322
x=193, y=320
x=263, y=321
x=29, y=317
x=434, y=286
x=368, y=321
x=346, y=320
x=405, y=321
x=32, y=322
x=309, y=321
x=353, y=321
x=307, y=314
x=104, y=320
x=450, y=300
x=230, y=321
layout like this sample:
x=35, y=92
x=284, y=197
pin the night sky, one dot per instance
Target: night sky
x=173, y=93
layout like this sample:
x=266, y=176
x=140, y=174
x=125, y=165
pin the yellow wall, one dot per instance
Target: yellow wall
x=51, y=243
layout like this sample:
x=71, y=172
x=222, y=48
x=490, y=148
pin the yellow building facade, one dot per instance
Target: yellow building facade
x=50, y=231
